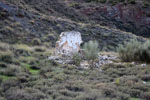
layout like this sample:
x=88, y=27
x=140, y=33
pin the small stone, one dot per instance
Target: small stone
x=133, y=63
x=143, y=65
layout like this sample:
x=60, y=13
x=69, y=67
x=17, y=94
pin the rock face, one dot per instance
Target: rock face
x=127, y=17
x=68, y=43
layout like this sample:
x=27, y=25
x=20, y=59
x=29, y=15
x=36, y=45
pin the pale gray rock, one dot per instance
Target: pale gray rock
x=68, y=43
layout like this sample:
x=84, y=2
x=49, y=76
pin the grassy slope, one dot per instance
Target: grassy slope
x=44, y=79
x=26, y=74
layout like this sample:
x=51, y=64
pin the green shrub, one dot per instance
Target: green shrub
x=92, y=95
x=15, y=93
x=28, y=59
x=3, y=65
x=63, y=98
x=22, y=49
x=146, y=95
x=2, y=98
x=135, y=51
x=122, y=96
x=134, y=93
x=68, y=93
x=4, y=46
x=36, y=41
x=6, y=56
x=7, y=84
x=145, y=52
x=108, y=92
x=77, y=59
x=117, y=81
x=135, y=99
x=75, y=87
x=59, y=77
x=91, y=50
x=44, y=70
x=12, y=70
x=39, y=49
x=128, y=51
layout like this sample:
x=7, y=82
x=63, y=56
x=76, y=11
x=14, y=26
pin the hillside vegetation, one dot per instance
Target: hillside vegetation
x=29, y=30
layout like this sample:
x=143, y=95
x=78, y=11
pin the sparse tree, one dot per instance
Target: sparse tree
x=91, y=51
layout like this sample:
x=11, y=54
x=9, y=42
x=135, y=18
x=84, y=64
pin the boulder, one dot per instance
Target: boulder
x=68, y=43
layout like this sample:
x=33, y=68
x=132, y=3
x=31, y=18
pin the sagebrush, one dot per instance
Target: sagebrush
x=135, y=51
x=77, y=59
x=91, y=50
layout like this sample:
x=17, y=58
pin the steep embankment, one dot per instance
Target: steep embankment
x=25, y=20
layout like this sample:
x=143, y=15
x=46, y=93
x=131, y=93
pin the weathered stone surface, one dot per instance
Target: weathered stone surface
x=105, y=59
x=102, y=60
x=68, y=43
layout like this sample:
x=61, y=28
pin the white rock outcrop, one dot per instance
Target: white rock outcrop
x=68, y=43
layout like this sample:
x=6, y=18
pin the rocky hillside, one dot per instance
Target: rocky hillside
x=29, y=69
x=24, y=20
